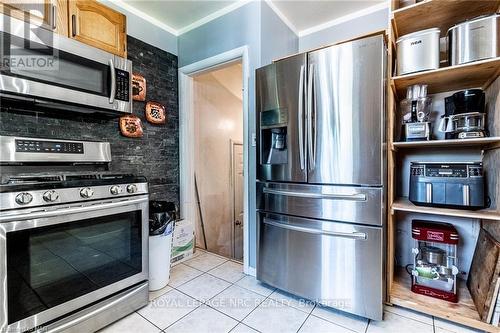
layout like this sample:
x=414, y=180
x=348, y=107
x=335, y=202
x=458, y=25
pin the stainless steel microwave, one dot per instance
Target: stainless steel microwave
x=41, y=68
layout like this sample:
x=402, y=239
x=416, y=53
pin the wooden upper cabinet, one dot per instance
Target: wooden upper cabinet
x=95, y=24
x=38, y=12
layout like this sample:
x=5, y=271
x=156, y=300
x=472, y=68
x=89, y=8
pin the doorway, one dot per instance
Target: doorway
x=218, y=159
x=187, y=74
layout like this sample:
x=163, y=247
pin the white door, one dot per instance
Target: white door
x=237, y=181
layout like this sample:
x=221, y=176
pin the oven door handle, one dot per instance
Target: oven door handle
x=69, y=210
x=113, y=82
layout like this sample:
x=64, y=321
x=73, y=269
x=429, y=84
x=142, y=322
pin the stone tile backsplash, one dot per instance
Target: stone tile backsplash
x=155, y=155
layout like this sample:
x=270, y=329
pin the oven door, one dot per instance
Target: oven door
x=56, y=71
x=57, y=261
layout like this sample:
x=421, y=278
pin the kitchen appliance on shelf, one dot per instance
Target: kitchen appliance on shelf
x=473, y=40
x=73, y=237
x=435, y=270
x=320, y=205
x=415, y=111
x=418, y=51
x=45, y=71
x=465, y=115
x=447, y=184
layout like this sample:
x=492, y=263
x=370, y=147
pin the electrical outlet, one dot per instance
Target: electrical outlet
x=254, y=140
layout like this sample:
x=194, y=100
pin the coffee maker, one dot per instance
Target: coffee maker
x=465, y=115
x=415, y=111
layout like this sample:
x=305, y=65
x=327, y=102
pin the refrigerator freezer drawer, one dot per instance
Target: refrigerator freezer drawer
x=363, y=205
x=337, y=264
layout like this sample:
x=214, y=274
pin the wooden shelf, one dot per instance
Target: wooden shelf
x=439, y=14
x=486, y=143
x=464, y=312
x=472, y=75
x=404, y=205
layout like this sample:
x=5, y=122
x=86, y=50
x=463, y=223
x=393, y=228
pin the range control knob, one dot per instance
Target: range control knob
x=50, y=196
x=86, y=192
x=132, y=188
x=24, y=198
x=115, y=190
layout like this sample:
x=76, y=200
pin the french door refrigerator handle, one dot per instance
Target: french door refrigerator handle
x=113, y=82
x=331, y=196
x=301, y=118
x=310, y=82
x=350, y=235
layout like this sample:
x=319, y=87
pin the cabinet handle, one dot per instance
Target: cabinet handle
x=54, y=17
x=73, y=25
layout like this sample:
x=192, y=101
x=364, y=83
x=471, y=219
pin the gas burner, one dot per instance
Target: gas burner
x=34, y=189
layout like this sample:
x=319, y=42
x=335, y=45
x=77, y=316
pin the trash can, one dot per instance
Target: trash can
x=162, y=216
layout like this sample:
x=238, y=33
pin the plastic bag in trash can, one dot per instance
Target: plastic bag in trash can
x=162, y=215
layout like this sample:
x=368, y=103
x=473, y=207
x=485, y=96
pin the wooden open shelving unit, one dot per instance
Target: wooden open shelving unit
x=433, y=14
x=404, y=205
x=424, y=15
x=485, y=143
x=464, y=312
x=471, y=75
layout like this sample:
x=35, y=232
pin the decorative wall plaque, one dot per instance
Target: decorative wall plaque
x=155, y=113
x=131, y=126
x=138, y=87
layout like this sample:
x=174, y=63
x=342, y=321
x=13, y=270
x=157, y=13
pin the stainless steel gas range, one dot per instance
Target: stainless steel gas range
x=73, y=237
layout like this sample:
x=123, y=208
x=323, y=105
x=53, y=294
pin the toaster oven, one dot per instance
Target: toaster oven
x=447, y=184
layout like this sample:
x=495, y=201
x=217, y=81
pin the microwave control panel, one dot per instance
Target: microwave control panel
x=122, y=85
x=38, y=146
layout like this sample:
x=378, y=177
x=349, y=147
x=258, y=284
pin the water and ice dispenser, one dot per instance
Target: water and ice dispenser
x=273, y=135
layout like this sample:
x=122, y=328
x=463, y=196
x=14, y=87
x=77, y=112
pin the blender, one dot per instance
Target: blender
x=415, y=111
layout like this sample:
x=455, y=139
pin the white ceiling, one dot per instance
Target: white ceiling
x=301, y=15
x=305, y=14
x=178, y=14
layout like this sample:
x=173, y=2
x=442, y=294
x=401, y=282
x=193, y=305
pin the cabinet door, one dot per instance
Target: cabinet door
x=38, y=12
x=95, y=24
x=50, y=14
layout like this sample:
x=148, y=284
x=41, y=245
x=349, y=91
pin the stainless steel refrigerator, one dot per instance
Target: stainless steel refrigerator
x=321, y=174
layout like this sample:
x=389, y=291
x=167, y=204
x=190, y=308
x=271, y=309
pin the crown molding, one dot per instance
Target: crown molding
x=221, y=12
x=145, y=17
x=345, y=18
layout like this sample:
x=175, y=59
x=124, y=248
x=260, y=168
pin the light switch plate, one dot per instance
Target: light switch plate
x=254, y=140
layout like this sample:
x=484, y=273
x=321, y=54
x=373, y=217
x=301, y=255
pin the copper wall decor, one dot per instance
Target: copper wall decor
x=131, y=126
x=155, y=113
x=138, y=87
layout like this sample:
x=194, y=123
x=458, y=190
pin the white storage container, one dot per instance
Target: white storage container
x=418, y=51
x=160, y=247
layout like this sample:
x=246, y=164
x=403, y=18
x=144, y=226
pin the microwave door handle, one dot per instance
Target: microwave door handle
x=113, y=82
x=301, y=118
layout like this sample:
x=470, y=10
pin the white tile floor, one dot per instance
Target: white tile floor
x=211, y=294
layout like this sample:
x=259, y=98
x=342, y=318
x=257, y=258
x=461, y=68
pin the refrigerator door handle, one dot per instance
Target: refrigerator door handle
x=350, y=235
x=310, y=82
x=301, y=118
x=331, y=196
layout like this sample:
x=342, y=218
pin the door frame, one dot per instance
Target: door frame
x=186, y=135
